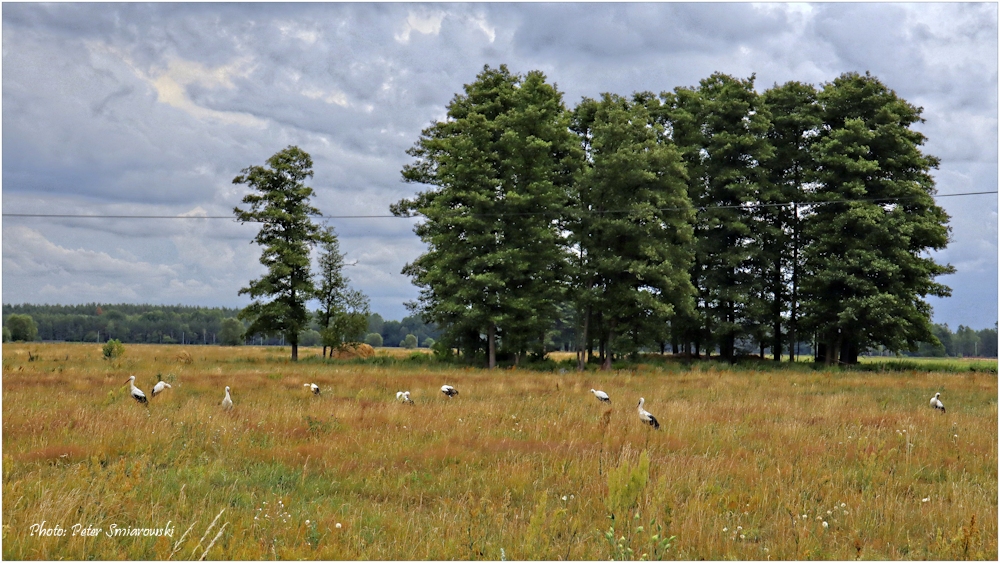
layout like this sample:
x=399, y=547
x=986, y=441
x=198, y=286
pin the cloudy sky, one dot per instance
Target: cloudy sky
x=152, y=109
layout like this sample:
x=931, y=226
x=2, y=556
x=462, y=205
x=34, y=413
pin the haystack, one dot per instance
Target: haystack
x=351, y=351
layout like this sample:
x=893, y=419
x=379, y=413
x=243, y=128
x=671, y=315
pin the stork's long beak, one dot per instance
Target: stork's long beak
x=127, y=380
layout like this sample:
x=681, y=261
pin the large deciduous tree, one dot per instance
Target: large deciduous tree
x=279, y=201
x=501, y=165
x=633, y=231
x=872, y=224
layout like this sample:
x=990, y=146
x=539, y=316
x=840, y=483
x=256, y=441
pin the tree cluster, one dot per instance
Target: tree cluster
x=279, y=202
x=710, y=218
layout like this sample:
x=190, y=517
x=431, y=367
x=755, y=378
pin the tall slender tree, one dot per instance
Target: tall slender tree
x=794, y=123
x=872, y=224
x=721, y=128
x=343, y=312
x=633, y=233
x=280, y=203
x=501, y=166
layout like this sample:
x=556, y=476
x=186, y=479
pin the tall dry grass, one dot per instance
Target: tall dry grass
x=747, y=464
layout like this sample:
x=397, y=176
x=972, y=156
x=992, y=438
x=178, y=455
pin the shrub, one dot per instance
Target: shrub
x=6, y=334
x=230, y=333
x=113, y=349
x=22, y=328
x=409, y=342
x=428, y=342
x=374, y=339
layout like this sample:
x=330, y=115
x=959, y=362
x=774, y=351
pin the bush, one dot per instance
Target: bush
x=22, y=328
x=374, y=339
x=113, y=349
x=310, y=338
x=230, y=332
x=6, y=334
x=428, y=342
x=409, y=342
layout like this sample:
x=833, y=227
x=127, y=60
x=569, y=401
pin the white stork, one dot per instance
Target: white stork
x=601, y=396
x=227, y=403
x=646, y=417
x=449, y=390
x=137, y=393
x=159, y=387
x=312, y=387
x=936, y=403
x=403, y=397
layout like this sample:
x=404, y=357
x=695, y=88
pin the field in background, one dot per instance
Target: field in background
x=749, y=463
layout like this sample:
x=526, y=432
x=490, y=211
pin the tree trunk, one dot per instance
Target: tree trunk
x=295, y=348
x=793, y=321
x=491, y=344
x=607, y=350
x=580, y=362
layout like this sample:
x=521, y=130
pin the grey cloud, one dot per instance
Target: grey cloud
x=85, y=126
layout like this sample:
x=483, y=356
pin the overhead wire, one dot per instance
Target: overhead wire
x=518, y=213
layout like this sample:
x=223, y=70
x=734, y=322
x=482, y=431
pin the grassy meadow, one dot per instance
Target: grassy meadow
x=749, y=463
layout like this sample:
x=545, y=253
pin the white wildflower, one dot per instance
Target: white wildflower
x=926, y=499
x=826, y=524
x=338, y=525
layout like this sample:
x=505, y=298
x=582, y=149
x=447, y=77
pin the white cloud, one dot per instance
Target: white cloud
x=330, y=97
x=171, y=83
x=427, y=24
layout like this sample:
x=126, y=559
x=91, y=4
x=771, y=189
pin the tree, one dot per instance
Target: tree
x=794, y=123
x=281, y=204
x=633, y=232
x=409, y=342
x=872, y=224
x=22, y=328
x=343, y=316
x=720, y=129
x=500, y=165
x=231, y=332
x=374, y=339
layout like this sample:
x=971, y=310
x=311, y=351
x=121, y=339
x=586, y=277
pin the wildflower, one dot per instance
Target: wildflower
x=926, y=499
x=565, y=498
x=738, y=528
x=742, y=537
x=829, y=512
x=572, y=496
x=307, y=521
x=846, y=512
x=826, y=524
x=843, y=504
x=724, y=529
x=338, y=525
x=819, y=517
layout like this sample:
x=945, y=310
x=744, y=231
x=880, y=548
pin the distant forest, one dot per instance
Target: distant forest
x=176, y=324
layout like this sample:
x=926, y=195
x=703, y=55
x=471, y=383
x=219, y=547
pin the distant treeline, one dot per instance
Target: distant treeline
x=964, y=342
x=169, y=324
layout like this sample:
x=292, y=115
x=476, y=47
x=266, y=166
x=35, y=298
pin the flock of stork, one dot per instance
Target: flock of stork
x=448, y=390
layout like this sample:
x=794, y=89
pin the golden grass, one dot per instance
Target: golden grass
x=747, y=464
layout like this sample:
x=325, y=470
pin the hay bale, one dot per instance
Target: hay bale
x=351, y=351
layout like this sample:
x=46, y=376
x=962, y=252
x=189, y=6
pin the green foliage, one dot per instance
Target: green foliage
x=22, y=328
x=428, y=343
x=867, y=260
x=343, y=316
x=501, y=165
x=231, y=332
x=625, y=485
x=113, y=349
x=625, y=536
x=280, y=203
x=6, y=334
x=409, y=342
x=374, y=339
x=635, y=248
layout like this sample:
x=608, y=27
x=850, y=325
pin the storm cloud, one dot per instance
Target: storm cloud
x=152, y=109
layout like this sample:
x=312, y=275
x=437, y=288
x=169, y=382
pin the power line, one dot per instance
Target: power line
x=699, y=208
